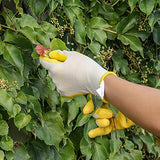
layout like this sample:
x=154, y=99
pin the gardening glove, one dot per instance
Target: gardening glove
x=106, y=122
x=78, y=74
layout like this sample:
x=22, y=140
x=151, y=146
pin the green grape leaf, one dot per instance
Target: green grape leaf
x=1, y=155
x=13, y=56
x=99, y=152
x=57, y=44
x=53, y=5
x=49, y=29
x=94, y=47
x=81, y=101
x=21, y=98
x=21, y=120
x=156, y=33
x=73, y=110
x=53, y=130
x=29, y=33
x=154, y=17
x=98, y=23
x=129, y=145
x=6, y=101
x=29, y=21
x=132, y=4
x=39, y=6
x=115, y=146
x=80, y=32
x=16, y=110
x=147, y=6
x=3, y=127
x=21, y=153
x=127, y=23
x=133, y=41
x=6, y=143
x=82, y=119
x=100, y=36
x=70, y=14
x=120, y=64
x=36, y=106
x=67, y=151
x=86, y=148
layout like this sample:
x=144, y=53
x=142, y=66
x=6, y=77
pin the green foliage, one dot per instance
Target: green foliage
x=122, y=36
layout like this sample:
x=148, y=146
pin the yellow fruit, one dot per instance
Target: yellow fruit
x=57, y=55
x=103, y=113
x=102, y=122
x=89, y=107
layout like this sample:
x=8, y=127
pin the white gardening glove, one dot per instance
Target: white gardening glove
x=78, y=74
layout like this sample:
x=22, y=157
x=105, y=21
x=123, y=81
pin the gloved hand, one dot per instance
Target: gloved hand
x=78, y=74
x=107, y=122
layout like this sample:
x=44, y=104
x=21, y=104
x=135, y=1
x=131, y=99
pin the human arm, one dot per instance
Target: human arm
x=139, y=103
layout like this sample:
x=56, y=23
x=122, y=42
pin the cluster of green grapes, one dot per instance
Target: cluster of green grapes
x=62, y=24
x=105, y=55
x=138, y=64
x=4, y=84
x=142, y=23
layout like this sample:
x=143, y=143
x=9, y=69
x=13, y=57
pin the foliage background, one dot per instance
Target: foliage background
x=39, y=124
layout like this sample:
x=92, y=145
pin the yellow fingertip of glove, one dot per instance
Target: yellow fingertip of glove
x=103, y=113
x=102, y=122
x=89, y=107
x=99, y=131
x=121, y=122
x=49, y=60
x=57, y=55
x=96, y=132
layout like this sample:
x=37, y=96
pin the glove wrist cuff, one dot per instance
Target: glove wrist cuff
x=100, y=90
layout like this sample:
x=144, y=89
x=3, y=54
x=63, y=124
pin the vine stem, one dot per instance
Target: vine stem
x=8, y=27
x=115, y=3
x=108, y=30
x=116, y=132
x=8, y=15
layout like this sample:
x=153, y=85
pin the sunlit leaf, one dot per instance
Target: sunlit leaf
x=21, y=120
x=3, y=127
x=6, y=143
x=57, y=44
x=147, y=6
x=13, y=56
x=80, y=32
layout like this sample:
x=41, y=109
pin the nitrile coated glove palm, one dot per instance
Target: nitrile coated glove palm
x=78, y=74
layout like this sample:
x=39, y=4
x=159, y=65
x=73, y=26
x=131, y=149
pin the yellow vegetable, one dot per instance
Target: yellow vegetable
x=102, y=122
x=57, y=55
x=100, y=131
x=89, y=107
x=103, y=113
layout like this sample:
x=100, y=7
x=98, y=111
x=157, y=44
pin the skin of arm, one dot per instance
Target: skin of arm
x=139, y=103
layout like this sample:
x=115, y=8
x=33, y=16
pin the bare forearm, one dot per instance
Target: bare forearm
x=139, y=103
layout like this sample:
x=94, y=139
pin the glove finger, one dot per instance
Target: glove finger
x=47, y=62
x=121, y=122
x=99, y=131
x=89, y=107
x=103, y=113
x=102, y=122
x=58, y=55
